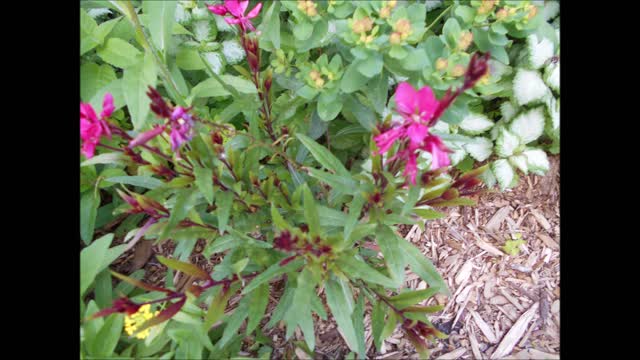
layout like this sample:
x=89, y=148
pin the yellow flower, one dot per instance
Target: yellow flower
x=133, y=322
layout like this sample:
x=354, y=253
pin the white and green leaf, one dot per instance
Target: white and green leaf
x=480, y=148
x=539, y=50
x=528, y=86
x=475, y=124
x=552, y=76
x=528, y=125
x=537, y=161
x=508, y=110
x=506, y=143
x=520, y=162
x=503, y=172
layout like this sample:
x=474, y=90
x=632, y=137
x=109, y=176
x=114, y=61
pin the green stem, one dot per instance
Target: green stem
x=438, y=18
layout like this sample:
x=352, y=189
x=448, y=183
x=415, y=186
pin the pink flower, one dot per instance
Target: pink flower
x=181, y=127
x=91, y=127
x=237, y=9
x=417, y=109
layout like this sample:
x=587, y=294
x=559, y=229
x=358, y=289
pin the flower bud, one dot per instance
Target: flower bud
x=392, y=3
x=319, y=82
x=533, y=10
x=395, y=38
x=441, y=64
x=501, y=14
x=457, y=71
x=403, y=26
x=465, y=40
x=385, y=12
x=314, y=74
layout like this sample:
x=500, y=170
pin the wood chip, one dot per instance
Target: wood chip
x=498, y=300
x=484, y=327
x=533, y=354
x=488, y=247
x=474, y=346
x=541, y=219
x=453, y=355
x=515, y=333
x=512, y=299
x=494, y=223
x=464, y=272
x=547, y=240
x=520, y=268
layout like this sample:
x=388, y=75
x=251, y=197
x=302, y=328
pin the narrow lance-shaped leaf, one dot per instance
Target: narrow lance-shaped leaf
x=339, y=301
x=409, y=298
x=186, y=268
x=423, y=267
x=139, y=283
x=273, y=271
x=311, y=212
x=323, y=156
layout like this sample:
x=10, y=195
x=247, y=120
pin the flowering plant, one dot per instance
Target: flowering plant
x=288, y=144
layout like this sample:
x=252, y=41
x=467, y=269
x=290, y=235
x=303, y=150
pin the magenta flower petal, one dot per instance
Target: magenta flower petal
x=254, y=12
x=107, y=106
x=417, y=132
x=146, y=136
x=405, y=99
x=236, y=8
x=426, y=103
x=87, y=112
x=232, y=21
x=177, y=113
x=88, y=149
x=411, y=168
x=438, y=150
x=385, y=140
x=218, y=9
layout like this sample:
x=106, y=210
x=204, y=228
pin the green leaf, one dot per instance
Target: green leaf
x=358, y=324
x=323, y=156
x=115, y=89
x=273, y=271
x=393, y=257
x=340, y=301
x=270, y=26
x=300, y=311
x=357, y=268
x=329, y=107
x=136, y=81
x=302, y=31
x=119, y=53
x=89, y=203
x=310, y=212
x=376, y=91
x=364, y=115
x=335, y=181
x=94, y=77
x=91, y=261
x=146, y=182
x=355, y=208
x=87, y=29
x=103, y=289
x=162, y=17
x=352, y=79
x=466, y=13
x=233, y=324
x=189, y=59
x=108, y=336
x=184, y=203
x=377, y=323
x=428, y=213
x=131, y=280
x=212, y=87
x=409, y=298
x=104, y=29
x=204, y=182
x=371, y=66
x=451, y=32
x=423, y=267
x=216, y=308
x=224, y=201
x=186, y=268
x=258, y=301
x=307, y=92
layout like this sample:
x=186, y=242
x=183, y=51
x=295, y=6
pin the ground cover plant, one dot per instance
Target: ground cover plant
x=294, y=138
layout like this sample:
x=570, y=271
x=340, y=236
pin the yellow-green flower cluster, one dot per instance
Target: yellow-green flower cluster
x=133, y=322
